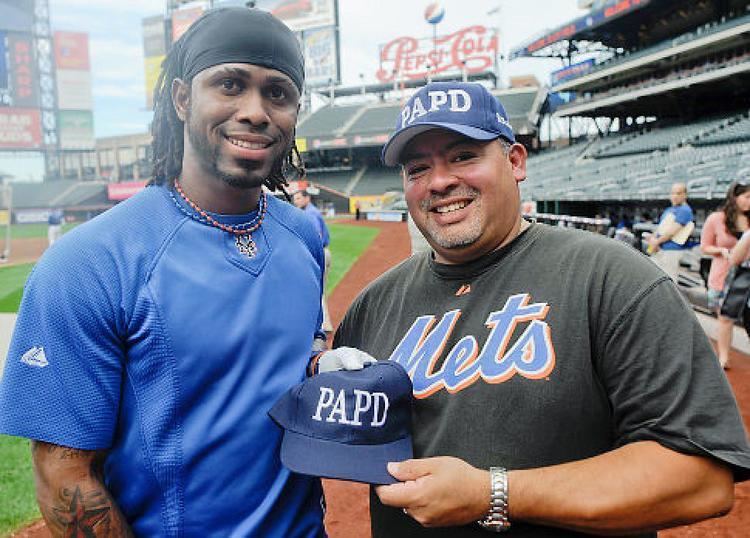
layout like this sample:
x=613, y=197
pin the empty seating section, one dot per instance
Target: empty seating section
x=378, y=181
x=737, y=129
x=657, y=139
x=707, y=156
x=327, y=120
x=701, y=32
x=84, y=193
x=518, y=105
x=377, y=119
x=40, y=195
x=337, y=181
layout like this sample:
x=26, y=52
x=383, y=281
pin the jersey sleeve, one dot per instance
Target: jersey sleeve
x=665, y=383
x=64, y=368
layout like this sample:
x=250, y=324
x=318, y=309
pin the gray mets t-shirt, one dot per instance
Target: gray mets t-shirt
x=557, y=347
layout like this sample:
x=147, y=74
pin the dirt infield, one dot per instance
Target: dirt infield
x=348, y=513
x=26, y=250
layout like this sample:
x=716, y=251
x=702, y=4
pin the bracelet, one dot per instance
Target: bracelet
x=496, y=519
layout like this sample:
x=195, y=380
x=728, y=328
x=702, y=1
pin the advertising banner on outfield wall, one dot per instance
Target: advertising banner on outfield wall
x=23, y=74
x=321, y=63
x=31, y=216
x=72, y=51
x=18, y=15
x=74, y=90
x=76, y=128
x=124, y=190
x=20, y=128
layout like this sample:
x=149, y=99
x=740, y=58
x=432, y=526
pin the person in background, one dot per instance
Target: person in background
x=54, y=225
x=670, y=241
x=303, y=201
x=720, y=234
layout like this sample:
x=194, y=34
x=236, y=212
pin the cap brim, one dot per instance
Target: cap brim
x=327, y=459
x=398, y=142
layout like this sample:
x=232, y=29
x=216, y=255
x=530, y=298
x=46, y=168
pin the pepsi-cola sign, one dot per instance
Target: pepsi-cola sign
x=473, y=48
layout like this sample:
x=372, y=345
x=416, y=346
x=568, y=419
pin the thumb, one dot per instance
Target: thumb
x=410, y=469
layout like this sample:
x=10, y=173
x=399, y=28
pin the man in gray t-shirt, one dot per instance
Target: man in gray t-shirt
x=561, y=383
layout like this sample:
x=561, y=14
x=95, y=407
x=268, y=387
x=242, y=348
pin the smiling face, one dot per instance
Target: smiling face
x=239, y=123
x=463, y=193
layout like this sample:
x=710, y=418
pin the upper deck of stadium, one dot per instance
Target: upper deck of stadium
x=648, y=57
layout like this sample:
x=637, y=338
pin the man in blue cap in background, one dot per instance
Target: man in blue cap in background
x=562, y=385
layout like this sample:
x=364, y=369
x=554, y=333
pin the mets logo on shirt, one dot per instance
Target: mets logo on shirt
x=531, y=355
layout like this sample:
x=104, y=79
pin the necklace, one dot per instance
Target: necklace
x=242, y=232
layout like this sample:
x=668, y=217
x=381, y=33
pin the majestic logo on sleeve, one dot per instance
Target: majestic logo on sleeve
x=35, y=357
x=531, y=355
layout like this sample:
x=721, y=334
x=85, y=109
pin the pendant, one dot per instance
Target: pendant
x=246, y=245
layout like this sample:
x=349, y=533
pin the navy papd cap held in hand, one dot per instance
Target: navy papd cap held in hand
x=467, y=108
x=347, y=424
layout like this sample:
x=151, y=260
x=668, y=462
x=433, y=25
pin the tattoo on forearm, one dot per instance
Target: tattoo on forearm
x=82, y=515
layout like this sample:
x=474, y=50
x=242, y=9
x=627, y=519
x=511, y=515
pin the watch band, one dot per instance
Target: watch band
x=496, y=519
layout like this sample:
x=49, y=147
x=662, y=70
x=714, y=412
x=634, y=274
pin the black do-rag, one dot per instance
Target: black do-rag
x=241, y=35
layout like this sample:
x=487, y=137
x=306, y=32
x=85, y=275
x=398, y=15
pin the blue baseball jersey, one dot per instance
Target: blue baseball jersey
x=319, y=222
x=148, y=334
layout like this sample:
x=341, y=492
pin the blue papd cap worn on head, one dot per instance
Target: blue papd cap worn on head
x=466, y=108
x=241, y=35
x=347, y=424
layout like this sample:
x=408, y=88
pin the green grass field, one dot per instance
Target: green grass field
x=26, y=231
x=12, y=280
x=347, y=244
x=17, y=500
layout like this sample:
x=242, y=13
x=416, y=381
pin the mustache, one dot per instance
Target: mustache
x=458, y=192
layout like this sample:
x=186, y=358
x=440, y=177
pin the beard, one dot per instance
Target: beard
x=459, y=235
x=210, y=156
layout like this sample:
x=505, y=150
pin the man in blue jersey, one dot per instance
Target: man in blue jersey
x=152, y=341
x=303, y=201
x=671, y=239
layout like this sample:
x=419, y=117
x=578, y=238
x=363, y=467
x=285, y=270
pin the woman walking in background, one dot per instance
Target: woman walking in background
x=721, y=231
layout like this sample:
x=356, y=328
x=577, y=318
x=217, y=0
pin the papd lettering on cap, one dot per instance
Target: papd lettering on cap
x=455, y=100
x=347, y=424
x=370, y=404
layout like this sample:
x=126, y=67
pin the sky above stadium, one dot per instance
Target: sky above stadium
x=115, y=33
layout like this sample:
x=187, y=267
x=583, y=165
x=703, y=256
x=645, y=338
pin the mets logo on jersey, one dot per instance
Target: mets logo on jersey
x=531, y=355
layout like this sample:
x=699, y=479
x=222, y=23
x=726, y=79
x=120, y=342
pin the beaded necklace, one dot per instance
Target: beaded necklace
x=242, y=232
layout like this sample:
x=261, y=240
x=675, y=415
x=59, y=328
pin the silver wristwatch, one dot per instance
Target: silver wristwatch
x=496, y=519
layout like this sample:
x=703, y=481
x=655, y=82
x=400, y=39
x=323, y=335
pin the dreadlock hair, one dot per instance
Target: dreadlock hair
x=167, y=129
